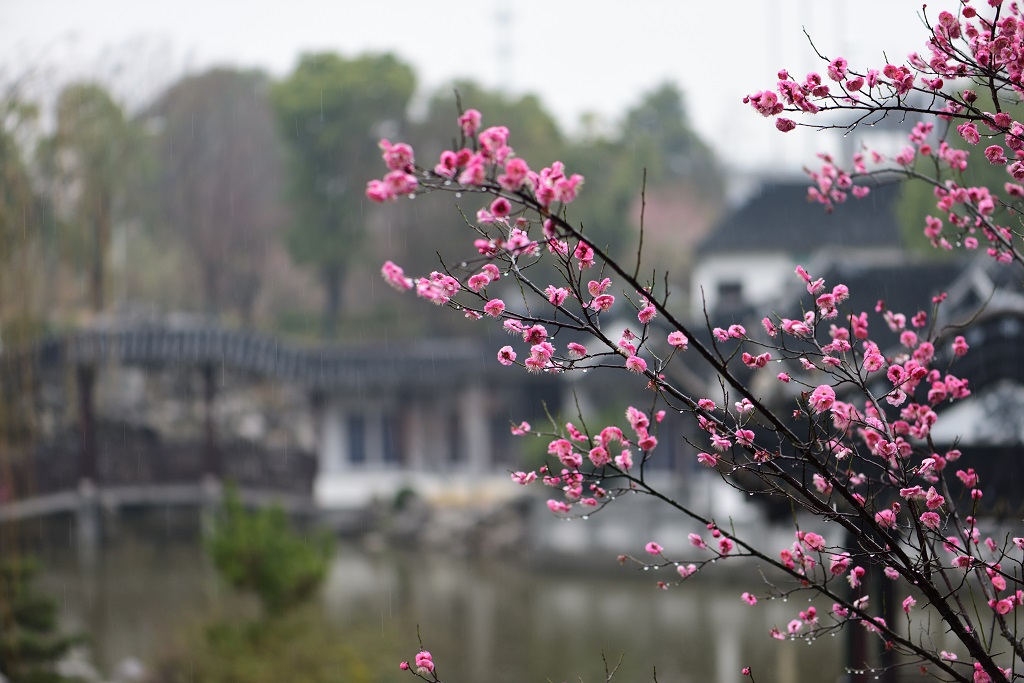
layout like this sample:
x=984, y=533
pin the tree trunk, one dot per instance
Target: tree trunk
x=96, y=274
x=332, y=277
x=87, y=469
x=211, y=288
x=101, y=238
x=211, y=454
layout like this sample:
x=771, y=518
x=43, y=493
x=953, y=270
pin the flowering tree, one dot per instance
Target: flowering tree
x=861, y=460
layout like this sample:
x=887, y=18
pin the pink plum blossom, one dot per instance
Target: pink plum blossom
x=506, y=355
x=524, y=478
x=624, y=460
x=557, y=506
x=494, y=308
x=678, y=340
x=424, y=661
x=708, y=459
x=395, y=277
x=469, y=122
x=840, y=563
x=785, y=125
x=576, y=350
x=822, y=398
x=814, y=541
x=636, y=364
x=885, y=518
x=599, y=456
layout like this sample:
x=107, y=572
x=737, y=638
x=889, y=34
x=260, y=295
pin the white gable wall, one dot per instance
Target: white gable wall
x=763, y=277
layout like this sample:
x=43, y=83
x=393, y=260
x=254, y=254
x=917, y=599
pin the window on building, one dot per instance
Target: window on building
x=730, y=294
x=392, y=454
x=357, y=439
x=456, y=450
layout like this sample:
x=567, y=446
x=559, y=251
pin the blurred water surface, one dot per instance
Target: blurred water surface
x=483, y=619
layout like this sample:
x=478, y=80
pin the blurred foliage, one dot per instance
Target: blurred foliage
x=30, y=642
x=26, y=220
x=88, y=168
x=213, y=195
x=298, y=646
x=17, y=196
x=331, y=112
x=685, y=186
x=663, y=142
x=535, y=133
x=258, y=551
x=220, y=182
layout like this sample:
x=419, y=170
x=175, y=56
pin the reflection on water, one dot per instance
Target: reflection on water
x=484, y=620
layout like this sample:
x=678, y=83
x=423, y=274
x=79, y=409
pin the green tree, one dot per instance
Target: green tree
x=537, y=136
x=659, y=137
x=332, y=110
x=655, y=137
x=21, y=210
x=685, y=186
x=257, y=551
x=221, y=171
x=87, y=165
x=16, y=194
x=30, y=645
x=28, y=245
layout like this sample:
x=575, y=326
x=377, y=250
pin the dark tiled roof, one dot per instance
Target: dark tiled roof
x=428, y=363
x=780, y=218
x=905, y=288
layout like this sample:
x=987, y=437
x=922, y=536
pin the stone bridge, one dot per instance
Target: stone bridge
x=154, y=414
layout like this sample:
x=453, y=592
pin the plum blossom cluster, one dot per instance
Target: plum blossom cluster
x=422, y=666
x=967, y=48
x=505, y=246
x=848, y=436
x=584, y=460
x=485, y=163
x=719, y=547
x=828, y=348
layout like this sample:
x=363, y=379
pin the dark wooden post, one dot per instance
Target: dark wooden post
x=87, y=518
x=87, y=469
x=211, y=454
x=318, y=405
x=210, y=482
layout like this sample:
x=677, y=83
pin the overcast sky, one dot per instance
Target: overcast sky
x=578, y=55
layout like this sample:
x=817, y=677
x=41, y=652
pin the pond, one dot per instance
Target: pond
x=496, y=620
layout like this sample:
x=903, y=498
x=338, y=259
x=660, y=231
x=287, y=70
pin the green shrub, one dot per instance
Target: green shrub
x=30, y=644
x=258, y=551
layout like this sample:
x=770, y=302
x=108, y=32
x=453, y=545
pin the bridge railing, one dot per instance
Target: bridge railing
x=137, y=460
